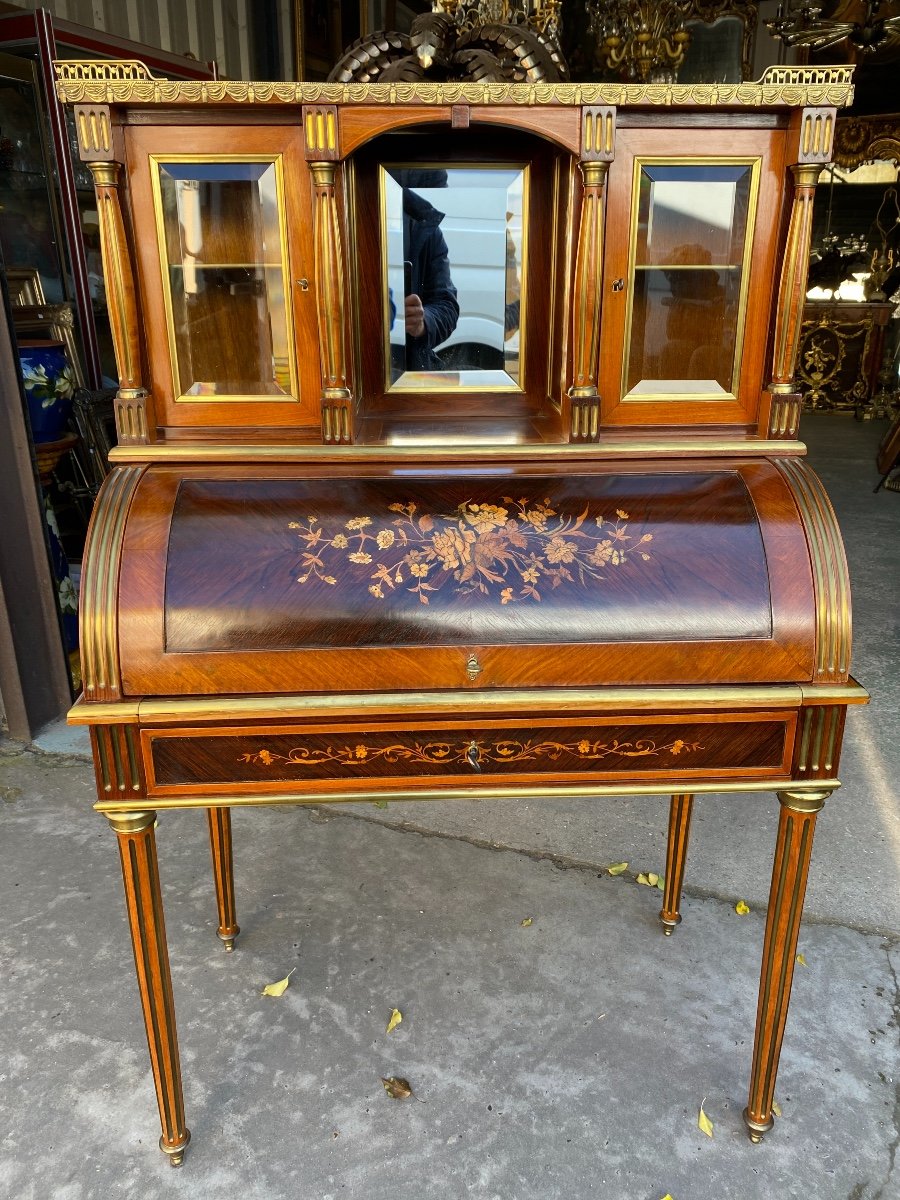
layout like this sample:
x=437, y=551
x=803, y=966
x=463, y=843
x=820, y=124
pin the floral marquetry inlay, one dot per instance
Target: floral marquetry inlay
x=470, y=753
x=511, y=551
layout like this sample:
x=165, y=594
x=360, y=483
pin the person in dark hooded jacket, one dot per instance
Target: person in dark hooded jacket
x=431, y=310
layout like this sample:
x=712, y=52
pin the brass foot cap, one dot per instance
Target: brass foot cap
x=757, y=1129
x=175, y=1154
x=227, y=939
x=669, y=923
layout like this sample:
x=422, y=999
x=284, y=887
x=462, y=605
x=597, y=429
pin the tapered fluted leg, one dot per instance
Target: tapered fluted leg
x=676, y=856
x=223, y=873
x=137, y=847
x=796, y=824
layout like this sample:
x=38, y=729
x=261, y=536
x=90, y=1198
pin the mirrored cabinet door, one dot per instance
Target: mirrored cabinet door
x=684, y=275
x=229, y=286
x=454, y=263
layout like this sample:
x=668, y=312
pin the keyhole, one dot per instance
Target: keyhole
x=618, y=285
x=473, y=754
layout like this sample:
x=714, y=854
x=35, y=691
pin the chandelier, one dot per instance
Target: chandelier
x=486, y=41
x=640, y=40
x=804, y=25
x=542, y=16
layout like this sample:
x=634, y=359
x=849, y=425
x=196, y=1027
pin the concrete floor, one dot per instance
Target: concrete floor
x=563, y=1059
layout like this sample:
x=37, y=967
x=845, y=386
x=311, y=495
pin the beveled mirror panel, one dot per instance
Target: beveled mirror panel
x=225, y=273
x=689, y=266
x=454, y=255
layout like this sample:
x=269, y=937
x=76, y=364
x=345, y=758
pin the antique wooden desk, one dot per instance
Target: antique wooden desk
x=457, y=457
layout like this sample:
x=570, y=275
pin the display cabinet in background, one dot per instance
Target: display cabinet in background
x=842, y=345
x=49, y=216
x=458, y=457
x=50, y=250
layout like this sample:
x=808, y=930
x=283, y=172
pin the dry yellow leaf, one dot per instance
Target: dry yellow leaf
x=617, y=868
x=380, y=803
x=704, y=1123
x=642, y=878
x=801, y=960
x=741, y=908
x=652, y=878
x=667, y=1196
x=396, y=1018
x=528, y=921
x=396, y=1088
x=279, y=988
x=776, y=1108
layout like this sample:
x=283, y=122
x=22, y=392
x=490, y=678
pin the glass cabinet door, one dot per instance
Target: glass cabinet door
x=688, y=279
x=688, y=268
x=228, y=282
x=225, y=276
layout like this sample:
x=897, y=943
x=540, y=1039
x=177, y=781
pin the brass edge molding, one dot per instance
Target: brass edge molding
x=850, y=692
x=568, y=700
x=558, y=701
x=511, y=792
x=100, y=712
x=829, y=566
x=111, y=82
x=99, y=632
x=209, y=453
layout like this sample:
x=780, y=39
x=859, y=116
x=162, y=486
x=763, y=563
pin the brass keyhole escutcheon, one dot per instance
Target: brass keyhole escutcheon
x=618, y=285
x=473, y=754
x=303, y=284
x=473, y=667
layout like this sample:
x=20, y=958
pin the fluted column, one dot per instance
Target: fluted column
x=143, y=899
x=134, y=421
x=337, y=424
x=676, y=857
x=583, y=395
x=223, y=873
x=796, y=825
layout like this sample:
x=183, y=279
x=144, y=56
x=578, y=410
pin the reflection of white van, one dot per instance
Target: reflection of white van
x=480, y=206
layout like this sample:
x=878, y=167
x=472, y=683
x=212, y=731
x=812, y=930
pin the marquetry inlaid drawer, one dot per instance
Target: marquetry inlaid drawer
x=285, y=758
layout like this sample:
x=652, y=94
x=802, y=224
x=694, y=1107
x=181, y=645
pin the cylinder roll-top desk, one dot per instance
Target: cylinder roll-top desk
x=457, y=457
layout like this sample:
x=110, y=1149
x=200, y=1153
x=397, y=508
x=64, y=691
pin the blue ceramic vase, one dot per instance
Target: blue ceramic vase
x=49, y=386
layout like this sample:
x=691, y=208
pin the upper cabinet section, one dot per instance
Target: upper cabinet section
x=454, y=265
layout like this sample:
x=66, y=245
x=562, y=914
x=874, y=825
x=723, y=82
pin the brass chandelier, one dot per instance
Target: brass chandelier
x=804, y=25
x=640, y=40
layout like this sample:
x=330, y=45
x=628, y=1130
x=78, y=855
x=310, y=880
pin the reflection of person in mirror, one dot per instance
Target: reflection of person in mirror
x=698, y=314
x=431, y=310
x=512, y=313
